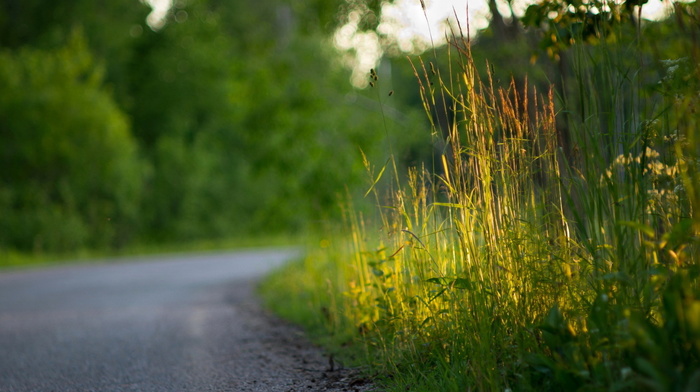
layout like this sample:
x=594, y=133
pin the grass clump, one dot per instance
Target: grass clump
x=533, y=256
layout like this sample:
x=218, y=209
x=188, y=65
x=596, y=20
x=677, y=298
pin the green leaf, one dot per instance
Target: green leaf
x=681, y=233
x=441, y=292
x=645, y=229
x=462, y=283
x=440, y=281
x=450, y=205
x=379, y=176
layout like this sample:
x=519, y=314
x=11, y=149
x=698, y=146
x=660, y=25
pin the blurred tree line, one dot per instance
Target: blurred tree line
x=233, y=118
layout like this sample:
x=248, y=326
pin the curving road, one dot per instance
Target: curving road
x=179, y=323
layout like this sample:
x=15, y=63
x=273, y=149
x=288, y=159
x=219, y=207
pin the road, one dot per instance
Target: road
x=177, y=323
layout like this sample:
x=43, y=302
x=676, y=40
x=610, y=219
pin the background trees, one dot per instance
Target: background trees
x=230, y=119
x=71, y=174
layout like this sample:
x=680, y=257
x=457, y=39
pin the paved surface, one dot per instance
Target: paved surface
x=179, y=323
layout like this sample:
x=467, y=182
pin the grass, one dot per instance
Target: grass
x=534, y=256
x=23, y=260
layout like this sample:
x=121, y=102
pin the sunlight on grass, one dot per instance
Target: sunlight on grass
x=547, y=249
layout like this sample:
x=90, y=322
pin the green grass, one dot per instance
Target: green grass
x=521, y=262
x=23, y=260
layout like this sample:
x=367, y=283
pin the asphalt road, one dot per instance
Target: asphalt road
x=178, y=323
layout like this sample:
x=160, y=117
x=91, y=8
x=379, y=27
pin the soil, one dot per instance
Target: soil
x=288, y=361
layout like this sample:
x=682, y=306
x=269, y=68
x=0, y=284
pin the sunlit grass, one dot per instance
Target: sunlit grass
x=526, y=259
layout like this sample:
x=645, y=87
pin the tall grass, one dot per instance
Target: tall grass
x=532, y=256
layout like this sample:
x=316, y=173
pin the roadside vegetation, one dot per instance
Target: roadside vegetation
x=551, y=244
x=23, y=260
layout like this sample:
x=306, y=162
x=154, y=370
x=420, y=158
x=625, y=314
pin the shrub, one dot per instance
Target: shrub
x=71, y=175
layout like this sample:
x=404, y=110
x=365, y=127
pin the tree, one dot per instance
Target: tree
x=110, y=28
x=71, y=174
x=233, y=118
x=258, y=129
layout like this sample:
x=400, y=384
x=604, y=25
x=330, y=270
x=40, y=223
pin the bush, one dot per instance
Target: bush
x=71, y=174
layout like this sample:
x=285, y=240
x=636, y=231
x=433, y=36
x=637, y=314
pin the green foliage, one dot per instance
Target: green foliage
x=242, y=117
x=182, y=92
x=110, y=28
x=71, y=175
x=563, y=23
x=624, y=349
x=42, y=24
x=248, y=130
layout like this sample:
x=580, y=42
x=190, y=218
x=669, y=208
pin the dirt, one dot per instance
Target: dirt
x=286, y=360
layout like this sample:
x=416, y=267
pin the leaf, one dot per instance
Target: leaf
x=397, y=251
x=450, y=205
x=440, y=281
x=681, y=233
x=462, y=283
x=650, y=370
x=645, y=229
x=379, y=176
x=533, y=16
x=377, y=272
x=441, y=292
